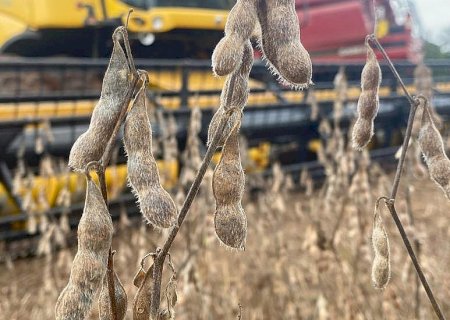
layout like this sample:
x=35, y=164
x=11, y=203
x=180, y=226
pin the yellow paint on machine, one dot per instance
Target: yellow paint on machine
x=116, y=180
x=18, y=16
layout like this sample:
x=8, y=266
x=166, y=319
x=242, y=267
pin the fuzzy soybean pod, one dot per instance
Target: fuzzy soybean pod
x=91, y=145
x=280, y=43
x=90, y=263
x=368, y=101
x=104, y=302
x=432, y=146
x=228, y=187
x=155, y=203
x=238, y=99
x=381, y=266
x=241, y=22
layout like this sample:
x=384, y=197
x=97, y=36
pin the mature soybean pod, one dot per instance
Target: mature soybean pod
x=228, y=178
x=228, y=187
x=95, y=227
x=230, y=224
x=104, y=302
x=228, y=53
x=280, y=43
x=432, y=146
x=155, y=203
x=368, y=101
x=381, y=267
x=238, y=99
x=90, y=263
x=91, y=145
x=430, y=139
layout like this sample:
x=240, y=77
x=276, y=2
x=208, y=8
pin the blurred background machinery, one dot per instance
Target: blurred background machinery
x=331, y=29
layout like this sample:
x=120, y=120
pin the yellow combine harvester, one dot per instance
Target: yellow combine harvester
x=55, y=27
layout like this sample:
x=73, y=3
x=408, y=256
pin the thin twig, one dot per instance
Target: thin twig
x=159, y=260
x=409, y=211
x=239, y=316
x=410, y=98
x=414, y=102
x=401, y=162
x=390, y=205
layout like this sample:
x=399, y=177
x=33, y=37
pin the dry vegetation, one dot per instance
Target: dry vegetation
x=309, y=253
x=289, y=270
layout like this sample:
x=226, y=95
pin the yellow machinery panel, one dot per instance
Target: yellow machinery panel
x=166, y=19
x=38, y=14
x=18, y=16
x=58, y=14
x=116, y=179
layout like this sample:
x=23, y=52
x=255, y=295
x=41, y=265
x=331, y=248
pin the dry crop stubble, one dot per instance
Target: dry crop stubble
x=284, y=258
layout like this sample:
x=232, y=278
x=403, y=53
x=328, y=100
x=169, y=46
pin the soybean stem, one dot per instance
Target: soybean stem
x=391, y=206
x=414, y=102
x=401, y=162
x=161, y=255
x=409, y=211
x=374, y=39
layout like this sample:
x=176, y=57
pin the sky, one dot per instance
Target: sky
x=435, y=17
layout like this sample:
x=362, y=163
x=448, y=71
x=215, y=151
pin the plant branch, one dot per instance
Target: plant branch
x=401, y=162
x=414, y=102
x=410, y=98
x=161, y=253
x=391, y=206
x=409, y=211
